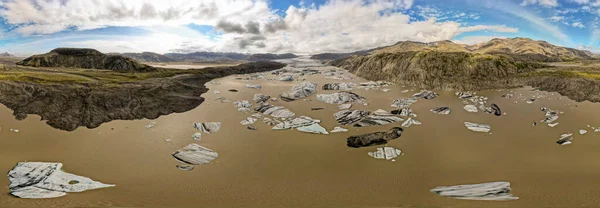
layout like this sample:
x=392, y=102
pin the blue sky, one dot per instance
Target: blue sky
x=310, y=26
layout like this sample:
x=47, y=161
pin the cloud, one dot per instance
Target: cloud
x=578, y=24
x=536, y=21
x=230, y=27
x=243, y=25
x=39, y=15
x=545, y=3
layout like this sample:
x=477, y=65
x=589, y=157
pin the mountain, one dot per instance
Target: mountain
x=523, y=49
x=148, y=57
x=530, y=49
x=85, y=58
x=499, y=63
x=270, y=56
x=6, y=54
x=207, y=56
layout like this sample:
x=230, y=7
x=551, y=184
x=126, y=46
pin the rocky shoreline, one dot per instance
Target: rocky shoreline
x=69, y=106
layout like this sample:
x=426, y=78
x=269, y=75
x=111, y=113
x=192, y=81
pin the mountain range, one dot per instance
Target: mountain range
x=518, y=48
x=6, y=54
x=205, y=57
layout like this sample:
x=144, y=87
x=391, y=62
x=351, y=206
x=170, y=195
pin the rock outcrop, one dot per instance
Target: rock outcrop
x=377, y=138
x=72, y=105
x=86, y=59
x=37, y=180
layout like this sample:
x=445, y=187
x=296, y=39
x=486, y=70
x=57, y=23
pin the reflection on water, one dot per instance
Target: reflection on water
x=267, y=168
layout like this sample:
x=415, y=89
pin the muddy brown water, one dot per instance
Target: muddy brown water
x=287, y=168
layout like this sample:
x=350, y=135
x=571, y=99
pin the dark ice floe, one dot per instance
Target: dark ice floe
x=253, y=86
x=38, y=180
x=496, y=109
x=377, y=120
x=428, y=95
x=299, y=91
x=385, y=153
x=296, y=122
x=274, y=111
x=565, y=139
x=371, y=139
x=195, y=154
x=471, y=108
x=313, y=128
x=185, y=167
x=338, y=129
x=341, y=98
x=285, y=78
x=260, y=98
x=493, y=191
x=248, y=121
x=403, y=112
x=347, y=117
x=345, y=106
x=242, y=104
x=374, y=85
x=441, y=110
x=465, y=95
x=551, y=116
x=478, y=127
x=208, y=127
x=403, y=102
x=410, y=122
x=339, y=86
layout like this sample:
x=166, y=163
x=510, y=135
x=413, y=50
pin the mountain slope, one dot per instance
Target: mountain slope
x=6, y=54
x=84, y=58
x=531, y=49
x=498, y=64
x=148, y=57
x=270, y=56
x=207, y=56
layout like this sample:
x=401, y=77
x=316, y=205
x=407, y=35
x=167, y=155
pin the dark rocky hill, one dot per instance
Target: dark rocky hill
x=86, y=59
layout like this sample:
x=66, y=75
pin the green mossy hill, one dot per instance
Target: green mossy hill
x=85, y=58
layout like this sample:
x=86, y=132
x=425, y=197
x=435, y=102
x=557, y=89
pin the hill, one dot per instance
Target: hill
x=6, y=54
x=207, y=56
x=526, y=48
x=270, y=56
x=148, y=57
x=85, y=58
x=499, y=63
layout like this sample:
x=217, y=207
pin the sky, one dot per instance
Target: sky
x=279, y=26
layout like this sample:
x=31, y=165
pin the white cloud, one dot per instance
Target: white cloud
x=41, y=15
x=578, y=24
x=545, y=3
x=536, y=21
x=335, y=26
x=556, y=18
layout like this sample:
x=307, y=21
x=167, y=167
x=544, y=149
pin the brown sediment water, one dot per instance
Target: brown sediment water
x=288, y=168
